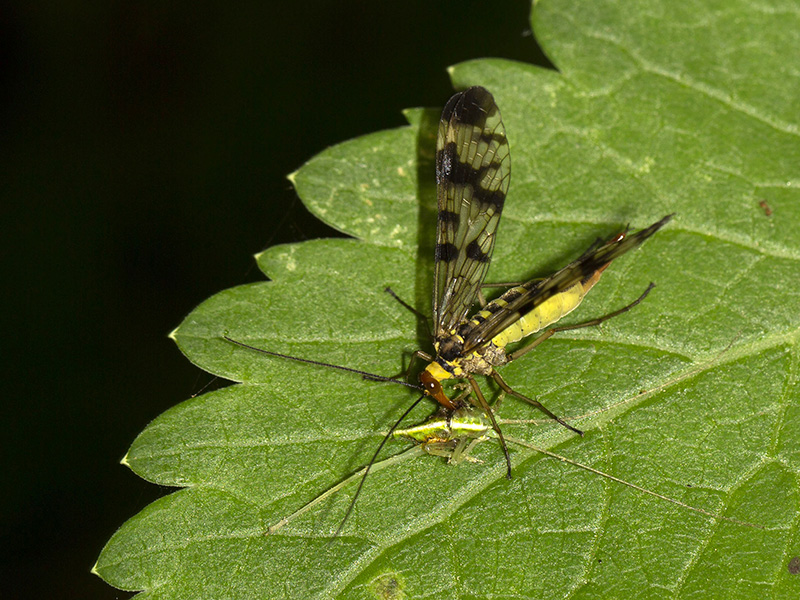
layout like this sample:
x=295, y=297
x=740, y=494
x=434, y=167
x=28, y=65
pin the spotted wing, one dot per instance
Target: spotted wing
x=477, y=334
x=473, y=169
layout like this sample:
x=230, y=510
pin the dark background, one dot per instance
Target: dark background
x=145, y=148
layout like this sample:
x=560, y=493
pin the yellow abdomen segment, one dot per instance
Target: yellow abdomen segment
x=547, y=313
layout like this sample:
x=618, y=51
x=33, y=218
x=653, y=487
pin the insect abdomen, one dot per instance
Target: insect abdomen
x=547, y=313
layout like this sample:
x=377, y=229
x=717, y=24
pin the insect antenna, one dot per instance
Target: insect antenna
x=372, y=462
x=364, y=374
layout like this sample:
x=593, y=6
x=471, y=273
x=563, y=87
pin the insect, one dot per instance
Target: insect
x=453, y=434
x=473, y=170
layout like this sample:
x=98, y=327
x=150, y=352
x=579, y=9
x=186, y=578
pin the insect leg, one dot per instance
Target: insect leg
x=506, y=284
x=455, y=451
x=546, y=334
x=509, y=284
x=505, y=387
x=416, y=313
x=404, y=374
x=597, y=244
x=462, y=450
x=487, y=409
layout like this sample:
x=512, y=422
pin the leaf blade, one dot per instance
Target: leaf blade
x=610, y=139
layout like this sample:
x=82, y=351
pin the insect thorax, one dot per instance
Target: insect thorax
x=449, y=352
x=483, y=362
x=449, y=347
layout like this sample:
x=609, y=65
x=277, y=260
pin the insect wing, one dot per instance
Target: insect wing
x=541, y=290
x=473, y=169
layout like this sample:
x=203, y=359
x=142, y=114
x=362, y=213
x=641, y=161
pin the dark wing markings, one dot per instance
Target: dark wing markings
x=473, y=169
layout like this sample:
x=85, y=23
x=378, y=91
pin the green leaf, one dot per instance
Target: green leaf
x=658, y=108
